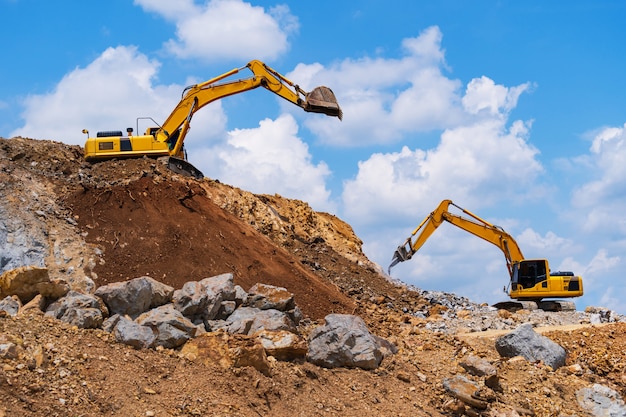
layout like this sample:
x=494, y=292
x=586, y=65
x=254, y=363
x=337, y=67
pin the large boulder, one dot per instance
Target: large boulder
x=228, y=350
x=197, y=302
x=134, y=334
x=221, y=284
x=171, y=327
x=248, y=320
x=82, y=310
x=135, y=296
x=344, y=341
x=524, y=341
x=265, y=297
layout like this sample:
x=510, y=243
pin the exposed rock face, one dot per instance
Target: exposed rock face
x=28, y=281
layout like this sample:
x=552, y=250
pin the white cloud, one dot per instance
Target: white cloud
x=474, y=165
x=170, y=10
x=482, y=94
x=108, y=94
x=384, y=100
x=602, y=197
x=225, y=29
x=269, y=159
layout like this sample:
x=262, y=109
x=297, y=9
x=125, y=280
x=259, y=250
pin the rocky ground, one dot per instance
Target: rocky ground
x=94, y=224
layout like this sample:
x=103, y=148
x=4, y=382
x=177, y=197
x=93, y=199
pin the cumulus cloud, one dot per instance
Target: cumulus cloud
x=108, y=94
x=482, y=94
x=385, y=99
x=602, y=197
x=269, y=159
x=225, y=29
x=475, y=164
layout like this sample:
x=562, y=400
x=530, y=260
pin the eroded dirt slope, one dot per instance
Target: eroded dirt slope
x=172, y=232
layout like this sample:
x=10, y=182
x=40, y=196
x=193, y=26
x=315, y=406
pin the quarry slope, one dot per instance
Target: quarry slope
x=93, y=224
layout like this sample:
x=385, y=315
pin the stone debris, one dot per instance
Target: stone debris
x=524, y=341
x=135, y=296
x=144, y=313
x=601, y=401
x=82, y=310
x=344, y=341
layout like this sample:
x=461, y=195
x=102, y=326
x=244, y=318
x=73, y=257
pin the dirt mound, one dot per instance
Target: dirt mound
x=172, y=232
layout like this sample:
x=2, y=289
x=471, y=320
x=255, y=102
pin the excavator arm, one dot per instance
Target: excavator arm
x=474, y=225
x=167, y=139
x=175, y=128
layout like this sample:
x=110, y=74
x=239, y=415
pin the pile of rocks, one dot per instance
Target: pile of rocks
x=145, y=313
x=456, y=314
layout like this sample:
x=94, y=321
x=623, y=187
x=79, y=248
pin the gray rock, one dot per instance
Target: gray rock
x=197, y=302
x=82, y=310
x=134, y=334
x=109, y=324
x=524, y=341
x=477, y=366
x=249, y=320
x=344, y=341
x=135, y=296
x=10, y=304
x=601, y=401
x=265, y=297
x=171, y=327
x=221, y=284
x=226, y=309
x=241, y=296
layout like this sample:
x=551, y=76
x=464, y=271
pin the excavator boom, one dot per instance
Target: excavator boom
x=168, y=139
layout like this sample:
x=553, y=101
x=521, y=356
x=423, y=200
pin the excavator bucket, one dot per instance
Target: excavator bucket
x=323, y=100
x=180, y=166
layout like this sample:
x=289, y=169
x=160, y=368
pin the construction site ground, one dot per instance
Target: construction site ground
x=121, y=219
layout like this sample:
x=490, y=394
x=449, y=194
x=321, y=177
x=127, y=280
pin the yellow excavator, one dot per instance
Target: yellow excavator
x=531, y=281
x=167, y=139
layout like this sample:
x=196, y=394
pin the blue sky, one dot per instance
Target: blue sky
x=513, y=110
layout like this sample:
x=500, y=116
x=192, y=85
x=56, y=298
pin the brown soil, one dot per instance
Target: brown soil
x=136, y=218
x=172, y=232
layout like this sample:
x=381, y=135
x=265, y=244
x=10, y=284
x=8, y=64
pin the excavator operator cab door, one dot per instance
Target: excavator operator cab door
x=530, y=279
x=532, y=273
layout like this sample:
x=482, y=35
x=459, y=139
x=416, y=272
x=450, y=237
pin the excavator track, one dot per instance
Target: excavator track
x=514, y=306
x=549, y=305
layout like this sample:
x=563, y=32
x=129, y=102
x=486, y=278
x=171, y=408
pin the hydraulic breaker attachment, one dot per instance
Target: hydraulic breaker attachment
x=400, y=255
x=323, y=100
